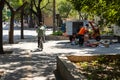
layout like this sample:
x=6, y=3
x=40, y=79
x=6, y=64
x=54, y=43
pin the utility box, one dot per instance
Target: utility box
x=116, y=30
x=72, y=27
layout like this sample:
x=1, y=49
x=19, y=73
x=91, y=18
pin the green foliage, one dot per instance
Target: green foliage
x=101, y=68
x=84, y=65
x=15, y=3
x=47, y=4
x=58, y=33
x=20, y=2
x=102, y=59
x=64, y=8
x=5, y=12
x=109, y=10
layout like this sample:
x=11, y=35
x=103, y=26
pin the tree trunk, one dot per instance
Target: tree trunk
x=30, y=17
x=31, y=21
x=22, y=27
x=39, y=15
x=1, y=29
x=54, y=16
x=11, y=30
x=13, y=11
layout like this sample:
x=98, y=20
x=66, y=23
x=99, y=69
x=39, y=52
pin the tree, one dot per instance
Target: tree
x=106, y=9
x=78, y=6
x=13, y=12
x=1, y=29
x=22, y=26
x=37, y=10
x=64, y=8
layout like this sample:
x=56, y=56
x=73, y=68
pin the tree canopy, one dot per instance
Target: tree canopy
x=109, y=10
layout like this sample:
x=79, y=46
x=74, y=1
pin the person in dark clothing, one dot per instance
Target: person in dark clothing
x=81, y=34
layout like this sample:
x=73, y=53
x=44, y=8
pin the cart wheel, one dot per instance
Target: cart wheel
x=98, y=38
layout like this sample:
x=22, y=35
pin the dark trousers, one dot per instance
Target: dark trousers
x=40, y=42
x=81, y=39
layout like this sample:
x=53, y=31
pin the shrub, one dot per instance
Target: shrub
x=58, y=33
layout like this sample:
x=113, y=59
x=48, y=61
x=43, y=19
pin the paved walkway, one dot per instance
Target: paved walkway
x=28, y=63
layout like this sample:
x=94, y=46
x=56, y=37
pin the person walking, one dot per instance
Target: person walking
x=43, y=27
x=40, y=35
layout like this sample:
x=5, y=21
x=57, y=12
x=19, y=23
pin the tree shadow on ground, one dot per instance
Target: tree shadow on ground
x=17, y=66
x=44, y=65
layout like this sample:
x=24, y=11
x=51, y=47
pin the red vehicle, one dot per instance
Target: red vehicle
x=96, y=32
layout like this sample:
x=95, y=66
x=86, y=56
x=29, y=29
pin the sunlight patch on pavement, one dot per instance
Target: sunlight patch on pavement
x=5, y=65
x=40, y=78
x=28, y=75
x=26, y=79
x=28, y=68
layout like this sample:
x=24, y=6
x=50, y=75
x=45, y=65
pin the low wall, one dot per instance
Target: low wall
x=52, y=37
x=68, y=70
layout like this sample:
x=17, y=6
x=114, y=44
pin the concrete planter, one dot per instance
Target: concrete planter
x=69, y=71
x=52, y=37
